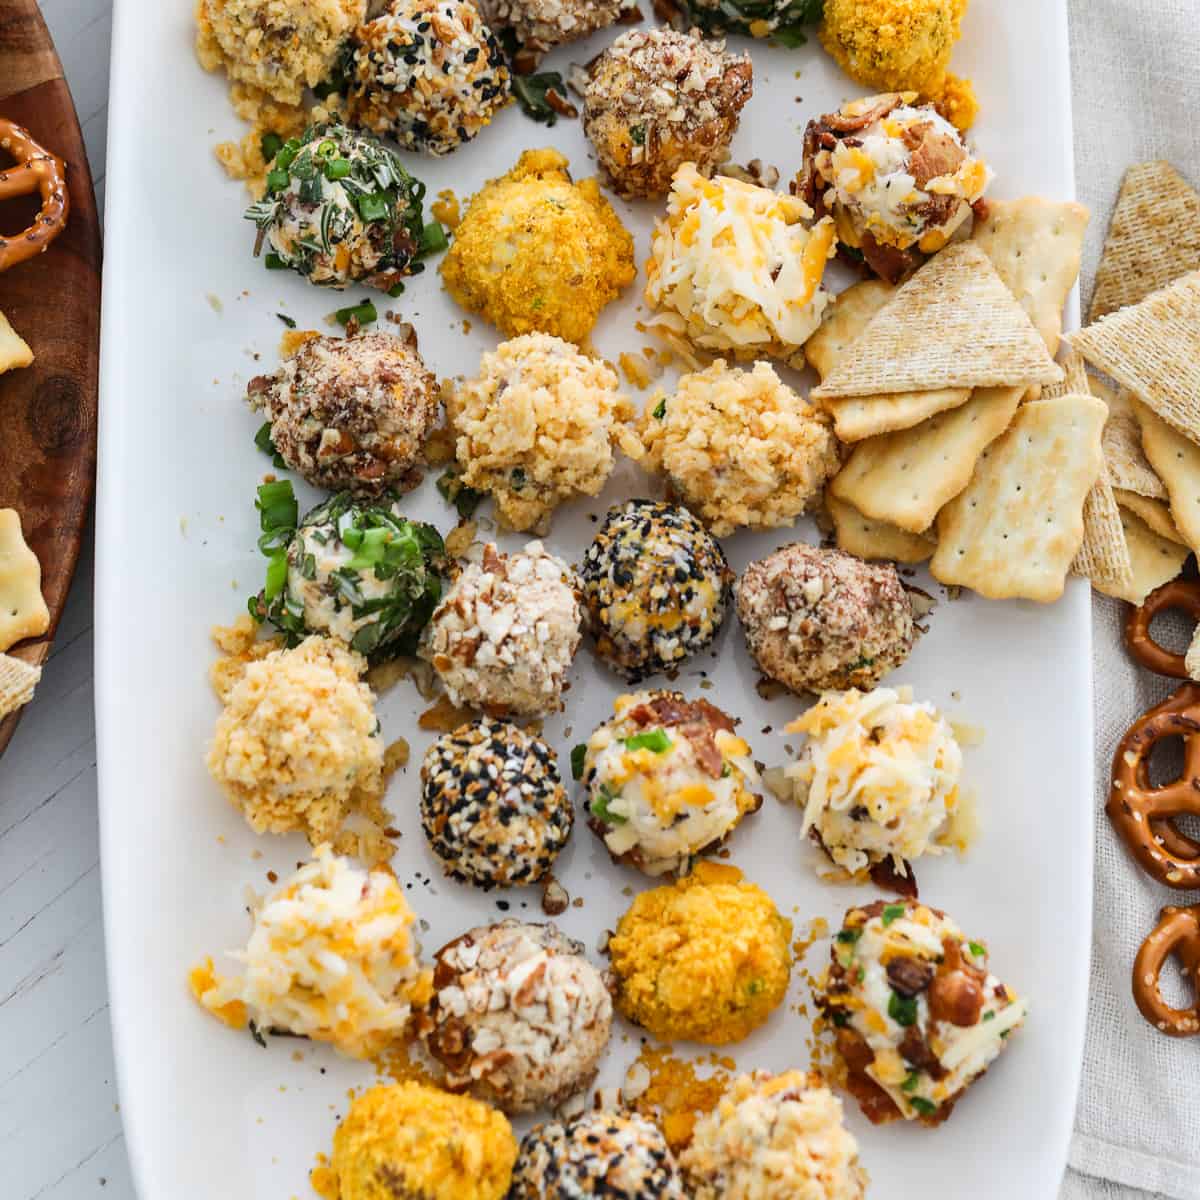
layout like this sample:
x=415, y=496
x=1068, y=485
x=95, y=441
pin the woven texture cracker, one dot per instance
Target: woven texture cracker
x=1153, y=349
x=954, y=324
x=849, y=315
x=859, y=417
x=1016, y=528
x=1128, y=466
x=1176, y=461
x=1075, y=379
x=1154, y=237
x=870, y=539
x=1103, y=555
x=17, y=681
x=1154, y=560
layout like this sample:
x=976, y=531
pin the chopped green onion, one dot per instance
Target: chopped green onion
x=278, y=514
x=364, y=313
x=273, y=262
x=433, y=239
x=893, y=912
x=373, y=207
x=277, y=570
x=902, y=1009
x=637, y=134
x=578, y=754
x=277, y=180
x=912, y=1079
x=398, y=290
x=599, y=807
x=660, y=409
x=989, y=1016
x=352, y=537
x=925, y=1107
x=849, y=936
x=840, y=1018
x=270, y=145
x=290, y=322
x=654, y=739
x=977, y=950
x=336, y=168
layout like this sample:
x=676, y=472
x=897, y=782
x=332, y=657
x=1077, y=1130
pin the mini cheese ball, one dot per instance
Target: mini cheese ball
x=775, y=1137
x=705, y=959
x=537, y=252
x=621, y=1156
x=350, y=412
x=493, y=806
x=411, y=1140
x=536, y=427
x=666, y=779
x=820, y=620
x=740, y=448
x=656, y=99
x=655, y=586
x=916, y=1011
x=519, y=1017
x=506, y=632
x=540, y=25
x=428, y=73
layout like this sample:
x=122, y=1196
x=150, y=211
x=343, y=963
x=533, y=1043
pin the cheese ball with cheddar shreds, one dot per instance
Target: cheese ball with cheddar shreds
x=705, y=959
x=411, y=1140
x=775, y=1137
x=537, y=252
x=621, y=1156
x=331, y=957
x=917, y=1013
x=737, y=268
x=740, y=448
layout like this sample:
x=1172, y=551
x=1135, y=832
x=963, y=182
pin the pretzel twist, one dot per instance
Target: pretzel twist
x=1181, y=595
x=1144, y=815
x=1177, y=933
x=36, y=170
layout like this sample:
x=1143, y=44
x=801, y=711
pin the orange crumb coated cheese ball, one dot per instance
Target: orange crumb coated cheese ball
x=705, y=959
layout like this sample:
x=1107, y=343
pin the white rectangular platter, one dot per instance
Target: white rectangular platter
x=189, y=316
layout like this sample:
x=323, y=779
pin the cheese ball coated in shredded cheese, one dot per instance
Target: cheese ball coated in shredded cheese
x=737, y=267
x=279, y=46
x=536, y=252
x=606, y=1154
x=822, y=620
x=297, y=744
x=656, y=99
x=519, y=1017
x=917, y=1013
x=351, y=412
x=705, y=959
x=740, y=448
x=655, y=586
x=877, y=778
x=666, y=779
x=504, y=635
x=331, y=957
x=540, y=25
x=410, y=1140
x=493, y=805
x=536, y=427
x=428, y=73
x=775, y=1137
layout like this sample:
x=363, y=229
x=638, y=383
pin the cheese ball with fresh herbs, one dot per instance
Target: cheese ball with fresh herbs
x=519, y=1017
x=536, y=427
x=506, y=632
x=412, y=1140
x=331, y=957
x=655, y=587
x=340, y=208
x=540, y=25
x=621, y=1156
x=916, y=1011
x=428, y=73
x=740, y=448
x=350, y=412
x=351, y=569
x=786, y=22
x=656, y=99
x=666, y=779
x=705, y=959
x=775, y=1137
x=537, y=252
x=493, y=805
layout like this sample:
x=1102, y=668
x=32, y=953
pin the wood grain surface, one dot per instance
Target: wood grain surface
x=48, y=410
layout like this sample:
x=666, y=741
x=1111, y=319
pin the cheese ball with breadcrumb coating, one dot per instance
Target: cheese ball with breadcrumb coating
x=537, y=252
x=706, y=959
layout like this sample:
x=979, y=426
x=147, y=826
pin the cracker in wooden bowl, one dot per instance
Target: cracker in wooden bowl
x=23, y=611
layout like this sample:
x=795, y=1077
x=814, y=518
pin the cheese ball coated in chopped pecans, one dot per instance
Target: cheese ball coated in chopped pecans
x=351, y=412
x=505, y=634
x=428, y=73
x=822, y=620
x=655, y=586
x=519, y=1017
x=493, y=806
x=656, y=99
x=540, y=25
x=622, y=1156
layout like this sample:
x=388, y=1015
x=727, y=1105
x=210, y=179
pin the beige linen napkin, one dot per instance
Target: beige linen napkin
x=1136, y=76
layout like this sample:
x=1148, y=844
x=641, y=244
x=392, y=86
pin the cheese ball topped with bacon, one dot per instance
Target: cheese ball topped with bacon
x=666, y=779
x=897, y=178
x=738, y=268
x=918, y=1014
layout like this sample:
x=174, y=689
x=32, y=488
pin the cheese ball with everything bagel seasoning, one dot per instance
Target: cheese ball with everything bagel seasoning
x=655, y=587
x=622, y=1156
x=493, y=806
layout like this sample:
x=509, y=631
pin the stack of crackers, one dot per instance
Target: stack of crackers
x=969, y=445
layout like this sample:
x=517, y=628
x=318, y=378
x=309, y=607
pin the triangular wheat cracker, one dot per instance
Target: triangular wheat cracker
x=1075, y=381
x=1103, y=556
x=1128, y=466
x=848, y=315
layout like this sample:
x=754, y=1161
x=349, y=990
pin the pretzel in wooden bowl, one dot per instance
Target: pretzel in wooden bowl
x=36, y=170
x=1179, y=595
x=1177, y=933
